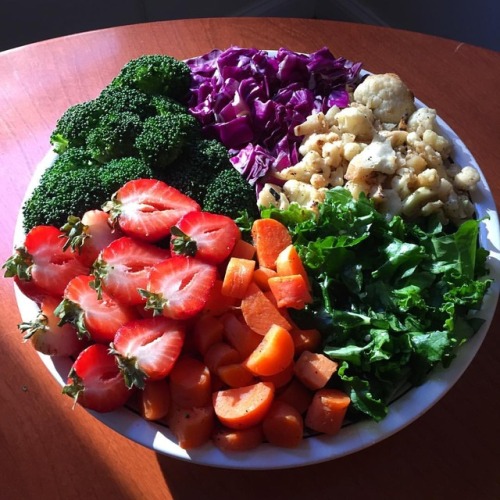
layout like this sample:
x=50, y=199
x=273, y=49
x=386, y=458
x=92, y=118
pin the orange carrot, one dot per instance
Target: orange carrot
x=155, y=399
x=283, y=425
x=290, y=291
x=243, y=407
x=235, y=375
x=297, y=395
x=274, y=353
x=190, y=383
x=239, y=334
x=217, y=303
x=243, y=250
x=261, y=275
x=270, y=237
x=238, y=275
x=238, y=439
x=207, y=331
x=327, y=411
x=306, y=340
x=259, y=312
x=314, y=370
x=281, y=378
x=192, y=427
x=219, y=354
x=289, y=262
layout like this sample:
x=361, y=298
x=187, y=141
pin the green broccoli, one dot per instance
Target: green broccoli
x=230, y=194
x=117, y=172
x=115, y=99
x=156, y=74
x=114, y=136
x=73, y=126
x=164, y=137
x=163, y=105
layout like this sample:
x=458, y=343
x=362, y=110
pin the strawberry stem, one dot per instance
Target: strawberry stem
x=182, y=243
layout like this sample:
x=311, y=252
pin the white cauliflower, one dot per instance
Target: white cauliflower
x=387, y=96
x=421, y=120
x=378, y=156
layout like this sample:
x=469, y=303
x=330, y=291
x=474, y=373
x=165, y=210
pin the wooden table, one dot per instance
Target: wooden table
x=49, y=450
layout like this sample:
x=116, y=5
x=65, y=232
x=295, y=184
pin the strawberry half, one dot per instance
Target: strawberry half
x=179, y=287
x=148, y=349
x=94, y=318
x=89, y=235
x=96, y=382
x=204, y=235
x=44, y=262
x=123, y=268
x=47, y=336
x=148, y=208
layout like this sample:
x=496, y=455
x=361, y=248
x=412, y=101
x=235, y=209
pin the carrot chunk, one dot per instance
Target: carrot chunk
x=219, y=354
x=314, y=370
x=274, y=353
x=283, y=425
x=243, y=250
x=306, y=340
x=238, y=275
x=217, y=303
x=243, y=407
x=192, y=427
x=261, y=276
x=297, y=395
x=239, y=334
x=235, y=375
x=270, y=237
x=207, y=331
x=190, y=383
x=238, y=439
x=289, y=262
x=155, y=399
x=290, y=291
x=327, y=411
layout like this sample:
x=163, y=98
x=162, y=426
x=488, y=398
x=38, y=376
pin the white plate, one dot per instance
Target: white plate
x=352, y=437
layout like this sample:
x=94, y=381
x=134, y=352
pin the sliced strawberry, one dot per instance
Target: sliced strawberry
x=96, y=382
x=148, y=208
x=47, y=336
x=204, y=235
x=44, y=262
x=123, y=268
x=94, y=318
x=89, y=235
x=148, y=348
x=180, y=286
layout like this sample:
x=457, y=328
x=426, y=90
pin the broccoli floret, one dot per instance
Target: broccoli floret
x=164, y=137
x=156, y=74
x=230, y=194
x=200, y=162
x=114, y=136
x=163, y=105
x=74, y=125
x=115, y=99
x=117, y=172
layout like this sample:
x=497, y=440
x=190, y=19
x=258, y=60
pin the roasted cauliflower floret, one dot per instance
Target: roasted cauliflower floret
x=378, y=156
x=387, y=96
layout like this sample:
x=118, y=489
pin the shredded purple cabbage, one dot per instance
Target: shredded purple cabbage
x=251, y=101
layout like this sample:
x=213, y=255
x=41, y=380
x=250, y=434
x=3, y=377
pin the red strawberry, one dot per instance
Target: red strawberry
x=148, y=348
x=148, y=208
x=123, y=268
x=180, y=286
x=204, y=235
x=44, y=262
x=47, y=336
x=96, y=382
x=94, y=318
x=89, y=235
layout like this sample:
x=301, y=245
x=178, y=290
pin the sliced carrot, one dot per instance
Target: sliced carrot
x=192, y=427
x=190, y=383
x=314, y=370
x=281, y=378
x=327, y=411
x=217, y=303
x=207, y=331
x=306, y=340
x=297, y=395
x=243, y=250
x=243, y=407
x=239, y=334
x=155, y=399
x=235, y=375
x=283, y=425
x=219, y=354
x=270, y=237
x=259, y=312
x=289, y=262
x=290, y=291
x=238, y=275
x=261, y=276
x=274, y=353
x=238, y=439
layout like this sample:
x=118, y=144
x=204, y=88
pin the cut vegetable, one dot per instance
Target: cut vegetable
x=270, y=238
x=290, y=291
x=327, y=411
x=314, y=370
